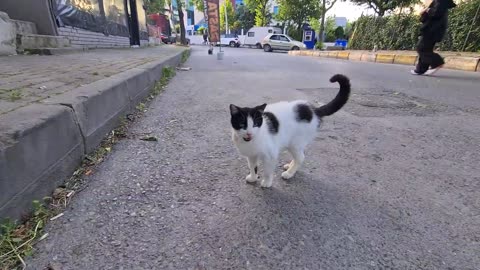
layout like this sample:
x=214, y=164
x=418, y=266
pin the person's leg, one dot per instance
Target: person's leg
x=437, y=61
x=424, y=56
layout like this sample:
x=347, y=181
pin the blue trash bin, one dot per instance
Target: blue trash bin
x=341, y=43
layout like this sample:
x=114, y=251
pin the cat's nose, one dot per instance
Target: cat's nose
x=249, y=134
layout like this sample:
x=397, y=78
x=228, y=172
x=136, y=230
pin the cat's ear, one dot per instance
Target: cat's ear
x=261, y=107
x=234, y=109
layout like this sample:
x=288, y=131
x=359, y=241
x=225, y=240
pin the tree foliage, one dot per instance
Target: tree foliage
x=261, y=10
x=400, y=31
x=227, y=5
x=380, y=7
x=339, y=32
x=330, y=29
x=326, y=5
x=298, y=11
x=198, y=4
x=155, y=6
x=245, y=17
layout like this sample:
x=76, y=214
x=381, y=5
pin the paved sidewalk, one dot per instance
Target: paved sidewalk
x=25, y=79
x=54, y=110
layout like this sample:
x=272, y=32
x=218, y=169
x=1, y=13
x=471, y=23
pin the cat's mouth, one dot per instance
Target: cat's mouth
x=247, y=138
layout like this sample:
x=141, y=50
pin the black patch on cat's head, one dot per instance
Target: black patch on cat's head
x=272, y=122
x=304, y=113
x=240, y=115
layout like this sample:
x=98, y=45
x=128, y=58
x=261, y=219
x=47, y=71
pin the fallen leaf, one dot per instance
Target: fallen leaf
x=89, y=172
x=149, y=139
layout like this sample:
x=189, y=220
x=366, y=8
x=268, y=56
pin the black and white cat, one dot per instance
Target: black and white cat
x=262, y=132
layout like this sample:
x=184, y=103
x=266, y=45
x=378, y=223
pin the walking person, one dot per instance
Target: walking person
x=434, y=26
x=205, y=37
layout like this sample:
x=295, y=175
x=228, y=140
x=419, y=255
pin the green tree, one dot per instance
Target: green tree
x=326, y=5
x=244, y=17
x=339, y=32
x=330, y=29
x=155, y=6
x=261, y=10
x=380, y=7
x=198, y=5
x=230, y=15
x=298, y=11
x=183, y=38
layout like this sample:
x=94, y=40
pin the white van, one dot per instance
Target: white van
x=255, y=35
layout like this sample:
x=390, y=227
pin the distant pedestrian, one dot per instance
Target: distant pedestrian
x=205, y=36
x=434, y=26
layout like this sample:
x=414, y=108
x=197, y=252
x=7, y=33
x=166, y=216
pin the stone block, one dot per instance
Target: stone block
x=385, y=58
x=356, y=56
x=461, y=63
x=404, y=59
x=42, y=41
x=343, y=55
x=40, y=146
x=368, y=57
x=23, y=27
x=333, y=54
x=8, y=35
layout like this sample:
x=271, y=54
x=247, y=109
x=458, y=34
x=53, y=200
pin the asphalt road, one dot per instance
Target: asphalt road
x=391, y=182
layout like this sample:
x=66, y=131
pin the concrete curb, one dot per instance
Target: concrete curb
x=451, y=62
x=42, y=144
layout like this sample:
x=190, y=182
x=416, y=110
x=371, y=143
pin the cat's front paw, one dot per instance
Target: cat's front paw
x=251, y=178
x=287, y=175
x=266, y=183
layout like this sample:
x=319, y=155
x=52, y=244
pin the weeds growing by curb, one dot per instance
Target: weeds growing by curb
x=15, y=94
x=17, y=239
x=185, y=56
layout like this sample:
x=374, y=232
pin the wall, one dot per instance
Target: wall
x=83, y=38
x=36, y=11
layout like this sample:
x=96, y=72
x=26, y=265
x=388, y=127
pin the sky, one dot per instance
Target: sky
x=347, y=9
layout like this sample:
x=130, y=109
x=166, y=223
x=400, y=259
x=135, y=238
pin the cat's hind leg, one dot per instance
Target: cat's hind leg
x=298, y=158
x=288, y=165
x=253, y=166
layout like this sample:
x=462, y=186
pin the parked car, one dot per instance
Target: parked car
x=167, y=39
x=171, y=39
x=255, y=35
x=229, y=40
x=281, y=42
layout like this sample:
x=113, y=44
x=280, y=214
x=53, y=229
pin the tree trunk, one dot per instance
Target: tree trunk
x=183, y=39
x=322, y=23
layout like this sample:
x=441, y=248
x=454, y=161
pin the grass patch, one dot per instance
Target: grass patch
x=15, y=94
x=185, y=56
x=95, y=73
x=16, y=242
x=141, y=107
x=167, y=74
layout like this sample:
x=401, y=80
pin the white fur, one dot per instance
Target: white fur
x=264, y=146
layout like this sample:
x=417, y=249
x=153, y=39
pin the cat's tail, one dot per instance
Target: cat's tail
x=340, y=100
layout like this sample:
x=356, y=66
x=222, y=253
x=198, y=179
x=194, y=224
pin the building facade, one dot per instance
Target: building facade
x=86, y=23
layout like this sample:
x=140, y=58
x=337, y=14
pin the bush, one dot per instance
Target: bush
x=400, y=32
x=339, y=32
x=295, y=33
